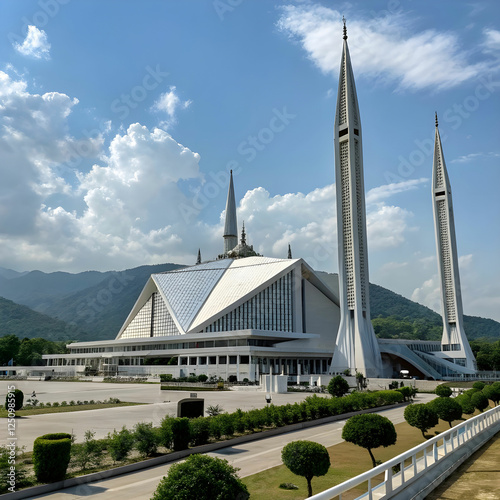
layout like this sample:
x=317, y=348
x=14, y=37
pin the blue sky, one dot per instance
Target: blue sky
x=120, y=120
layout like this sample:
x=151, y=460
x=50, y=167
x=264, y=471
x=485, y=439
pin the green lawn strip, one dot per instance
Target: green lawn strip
x=348, y=460
x=64, y=409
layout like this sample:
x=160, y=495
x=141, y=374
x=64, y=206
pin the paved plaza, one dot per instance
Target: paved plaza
x=161, y=403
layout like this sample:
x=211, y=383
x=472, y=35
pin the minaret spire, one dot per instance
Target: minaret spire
x=230, y=225
x=454, y=342
x=289, y=251
x=356, y=346
x=198, y=260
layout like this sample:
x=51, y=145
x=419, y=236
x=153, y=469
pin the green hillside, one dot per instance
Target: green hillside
x=19, y=320
x=93, y=306
x=102, y=309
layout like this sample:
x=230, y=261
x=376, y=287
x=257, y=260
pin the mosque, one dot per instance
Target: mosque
x=245, y=315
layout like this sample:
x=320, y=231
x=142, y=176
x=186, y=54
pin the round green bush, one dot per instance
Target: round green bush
x=307, y=459
x=201, y=477
x=18, y=400
x=51, y=454
x=338, y=386
x=443, y=391
x=479, y=386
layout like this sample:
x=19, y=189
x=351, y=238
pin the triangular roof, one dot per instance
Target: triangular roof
x=196, y=296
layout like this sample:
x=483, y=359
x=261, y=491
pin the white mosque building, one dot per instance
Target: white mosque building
x=245, y=315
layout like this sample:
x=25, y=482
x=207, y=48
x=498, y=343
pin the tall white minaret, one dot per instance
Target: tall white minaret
x=356, y=346
x=454, y=343
x=231, y=225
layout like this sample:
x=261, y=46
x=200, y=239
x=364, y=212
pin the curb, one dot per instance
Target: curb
x=177, y=455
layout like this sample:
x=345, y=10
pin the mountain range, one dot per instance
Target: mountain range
x=93, y=305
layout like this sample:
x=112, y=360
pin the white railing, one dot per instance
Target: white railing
x=384, y=481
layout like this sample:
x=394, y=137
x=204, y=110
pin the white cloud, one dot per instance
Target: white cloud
x=491, y=40
x=475, y=156
x=169, y=102
x=35, y=44
x=382, y=48
x=378, y=194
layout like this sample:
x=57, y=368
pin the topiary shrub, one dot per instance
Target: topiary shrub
x=181, y=433
x=479, y=386
x=480, y=401
x=202, y=378
x=464, y=400
x=421, y=416
x=201, y=477
x=338, y=386
x=447, y=409
x=199, y=430
x=51, y=454
x=18, y=400
x=443, y=391
x=307, y=459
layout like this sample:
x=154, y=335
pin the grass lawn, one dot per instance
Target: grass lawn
x=64, y=409
x=347, y=460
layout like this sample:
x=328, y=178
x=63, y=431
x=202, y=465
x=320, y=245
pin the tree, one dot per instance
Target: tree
x=421, y=416
x=338, y=386
x=465, y=402
x=9, y=346
x=443, y=391
x=480, y=401
x=492, y=392
x=447, y=409
x=479, y=386
x=201, y=477
x=307, y=459
x=369, y=431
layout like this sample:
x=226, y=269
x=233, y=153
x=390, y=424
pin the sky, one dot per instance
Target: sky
x=120, y=121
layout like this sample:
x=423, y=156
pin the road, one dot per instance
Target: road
x=250, y=457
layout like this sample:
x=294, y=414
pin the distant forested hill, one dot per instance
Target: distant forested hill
x=19, y=320
x=101, y=309
x=93, y=306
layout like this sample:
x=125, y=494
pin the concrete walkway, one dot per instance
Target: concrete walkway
x=478, y=478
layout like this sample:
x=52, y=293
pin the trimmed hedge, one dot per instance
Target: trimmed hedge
x=51, y=454
x=181, y=433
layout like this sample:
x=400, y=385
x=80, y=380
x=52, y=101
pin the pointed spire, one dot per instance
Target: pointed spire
x=435, y=113
x=230, y=225
x=289, y=251
x=243, y=235
x=198, y=260
x=345, y=28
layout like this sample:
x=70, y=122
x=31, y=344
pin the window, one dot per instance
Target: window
x=184, y=361
x=202, y=360
x=192, y=361
x=222, y=360
x=212, y=360
x=233, y=360
x=244, y=360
